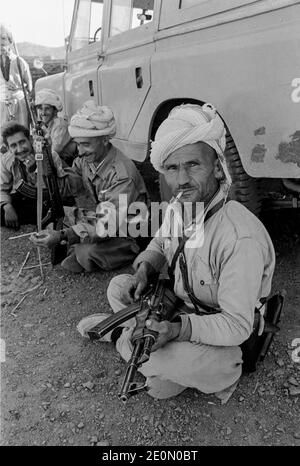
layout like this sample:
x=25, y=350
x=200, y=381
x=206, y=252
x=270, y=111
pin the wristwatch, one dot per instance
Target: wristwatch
x=63, y=237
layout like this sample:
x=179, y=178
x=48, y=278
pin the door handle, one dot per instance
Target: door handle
x=91, y=88
x=139, y=77
x=100, y=56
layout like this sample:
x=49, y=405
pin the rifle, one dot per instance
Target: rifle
x=159, y=303
x=45, y=170
x=55, y=212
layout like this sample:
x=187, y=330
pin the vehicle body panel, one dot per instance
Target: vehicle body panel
x=242, y=56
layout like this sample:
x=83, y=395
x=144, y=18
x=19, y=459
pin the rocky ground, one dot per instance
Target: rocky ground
x=60, y=390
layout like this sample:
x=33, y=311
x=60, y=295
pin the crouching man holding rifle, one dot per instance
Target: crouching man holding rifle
x=219, y=275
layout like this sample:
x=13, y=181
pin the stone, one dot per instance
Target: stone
x=80, y=425
x=67, y=385
x=35, y=280
x=297, y=434
x=293, y=381
x=241, y=398
x=103, y=443
x=294, y=391
x=228, y=431
x=172, y=428
x=280, y=362
x=88, y=385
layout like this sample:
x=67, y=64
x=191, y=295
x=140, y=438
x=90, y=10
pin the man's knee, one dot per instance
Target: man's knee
x=84, y=253
x=163, y=389
x=116, y=286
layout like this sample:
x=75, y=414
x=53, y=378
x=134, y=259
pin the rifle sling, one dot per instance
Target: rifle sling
x=205, y=309
x=184, y=238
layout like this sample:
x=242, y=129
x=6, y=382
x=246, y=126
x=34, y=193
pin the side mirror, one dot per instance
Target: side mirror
x=39, y=65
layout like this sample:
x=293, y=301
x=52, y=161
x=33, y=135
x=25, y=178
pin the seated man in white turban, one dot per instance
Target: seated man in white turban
x=55, y=127
x=112, y=183
x=229, y=268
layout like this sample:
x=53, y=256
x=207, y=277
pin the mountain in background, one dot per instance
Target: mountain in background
x=28, y=49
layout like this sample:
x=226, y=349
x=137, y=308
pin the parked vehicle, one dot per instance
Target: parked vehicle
x=143, y=57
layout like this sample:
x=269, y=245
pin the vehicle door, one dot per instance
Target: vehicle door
x=83, y=54
x=125, y=72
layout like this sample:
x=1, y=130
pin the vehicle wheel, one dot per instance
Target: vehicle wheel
x=244, y=189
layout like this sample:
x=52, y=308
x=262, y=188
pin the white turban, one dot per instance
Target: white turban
x=92, y=120
x=188, y=124
x=48, y=97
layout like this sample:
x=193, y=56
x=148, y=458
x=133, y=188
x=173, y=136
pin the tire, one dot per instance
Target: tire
x=244, y=189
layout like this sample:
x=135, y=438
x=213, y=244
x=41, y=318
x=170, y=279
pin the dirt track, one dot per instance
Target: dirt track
x=60, y=390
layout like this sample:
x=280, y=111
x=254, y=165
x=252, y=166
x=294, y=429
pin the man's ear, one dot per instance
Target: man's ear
x=218, y=170
x=105, y=140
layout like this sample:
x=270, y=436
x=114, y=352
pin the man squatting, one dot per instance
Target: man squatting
x=104, y=173
x=17, y=165
x=231, y=270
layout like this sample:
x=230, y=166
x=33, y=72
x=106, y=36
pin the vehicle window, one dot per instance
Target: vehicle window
x=130, y=14
x=88, y=24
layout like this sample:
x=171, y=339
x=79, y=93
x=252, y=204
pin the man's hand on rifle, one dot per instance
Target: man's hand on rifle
x=166, y=331
x=11, y=217
x=136, y=284
x=45, y=238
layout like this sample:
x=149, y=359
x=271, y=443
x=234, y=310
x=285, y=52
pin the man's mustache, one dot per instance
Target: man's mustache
x=184, y=188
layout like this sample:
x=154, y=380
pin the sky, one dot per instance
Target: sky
x=44, y=22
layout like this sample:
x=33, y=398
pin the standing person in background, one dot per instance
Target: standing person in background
x=48, y=104
x=12, y=100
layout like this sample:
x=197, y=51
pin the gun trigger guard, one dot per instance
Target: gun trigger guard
x=136, y=388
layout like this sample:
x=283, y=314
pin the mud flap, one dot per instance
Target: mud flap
x=256, y=347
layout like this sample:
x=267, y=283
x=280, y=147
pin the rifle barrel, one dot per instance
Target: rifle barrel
x=131, y=371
